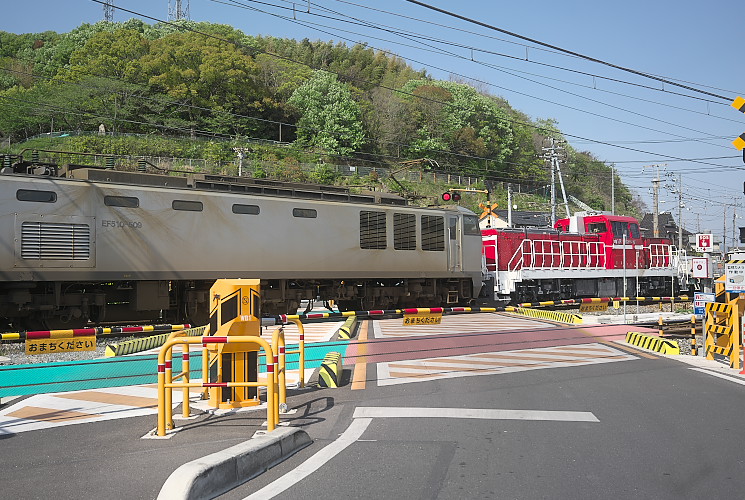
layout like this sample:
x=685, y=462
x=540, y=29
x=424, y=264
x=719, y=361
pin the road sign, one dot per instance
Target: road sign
x=739, y=104
x=488, y=211
x=593, y=307
x=700, y=267
x=699, y=303
x=734, y=276
x=51, y=346
x=422, y=318
x=704, y=242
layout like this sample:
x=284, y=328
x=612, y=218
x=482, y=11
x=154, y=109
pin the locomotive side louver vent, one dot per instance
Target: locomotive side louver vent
x=55, y=241
x=372, y=230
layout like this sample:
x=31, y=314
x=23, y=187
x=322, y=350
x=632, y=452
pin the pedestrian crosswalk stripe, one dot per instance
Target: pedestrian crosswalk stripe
x=401, y=372
x=114, y=399
x=49, y=414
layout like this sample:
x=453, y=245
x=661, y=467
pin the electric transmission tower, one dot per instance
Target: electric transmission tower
x=178, y=9
x=108, y=12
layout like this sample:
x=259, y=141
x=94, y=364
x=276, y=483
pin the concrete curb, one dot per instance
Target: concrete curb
x=213, y=475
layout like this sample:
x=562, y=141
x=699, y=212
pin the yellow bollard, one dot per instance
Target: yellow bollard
x=185, y=366
x=280, y=361
x=301, y=347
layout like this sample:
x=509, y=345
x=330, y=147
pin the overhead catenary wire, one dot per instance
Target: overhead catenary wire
x=567, y=51
x=521, y=93
x=512, y=73
x=514, y=121
x=472, y=48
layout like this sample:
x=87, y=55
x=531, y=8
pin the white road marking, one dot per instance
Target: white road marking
x=721, y=375
x=349, y=436
x=363, y=417
x=478, y=413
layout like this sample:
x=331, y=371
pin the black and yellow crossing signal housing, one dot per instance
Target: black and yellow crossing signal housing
x=451, y=196
x=739, y=143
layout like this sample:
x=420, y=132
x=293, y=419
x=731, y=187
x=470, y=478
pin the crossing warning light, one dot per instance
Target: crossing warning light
x=449, y=196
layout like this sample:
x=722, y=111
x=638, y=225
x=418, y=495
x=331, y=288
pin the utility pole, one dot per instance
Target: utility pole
x=656, y=188
x=680, y=212
x=734, y=225
x=551, y=155
x=509, y=205
x=724, y=233
x=679, y=191
x=613, y=189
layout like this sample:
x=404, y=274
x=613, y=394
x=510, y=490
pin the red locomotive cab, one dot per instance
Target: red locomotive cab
x=620, y=236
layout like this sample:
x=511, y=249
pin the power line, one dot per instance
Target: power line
x=526, y=46
x=659, y=155
x=577, y=54
x=509, y=90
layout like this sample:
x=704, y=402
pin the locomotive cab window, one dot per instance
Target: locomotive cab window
x=246, y=209
x=189, y=206
x=372, y=230
x=620, y=229
x=453, y=228
x=635, y=230
x=471, y=225
x=36, y=195
x=433, y=233
x=306, y=213
x=597, y=227
x=121, y=201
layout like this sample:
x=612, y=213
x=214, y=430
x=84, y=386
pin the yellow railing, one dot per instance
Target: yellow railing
x=166, y=382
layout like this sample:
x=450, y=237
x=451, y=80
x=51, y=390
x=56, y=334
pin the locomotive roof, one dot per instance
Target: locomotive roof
x=215, y=183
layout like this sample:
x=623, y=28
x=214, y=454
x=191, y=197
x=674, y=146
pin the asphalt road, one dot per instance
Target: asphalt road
x=663, y=431
x=505, y=417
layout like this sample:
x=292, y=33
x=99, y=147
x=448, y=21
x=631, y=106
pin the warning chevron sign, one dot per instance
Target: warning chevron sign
x=739, y=104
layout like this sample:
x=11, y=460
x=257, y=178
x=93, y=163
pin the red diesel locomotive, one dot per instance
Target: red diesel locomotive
x=586, y=255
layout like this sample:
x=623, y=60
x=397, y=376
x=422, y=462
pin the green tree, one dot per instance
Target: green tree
x=206, y=74
x=329, y=117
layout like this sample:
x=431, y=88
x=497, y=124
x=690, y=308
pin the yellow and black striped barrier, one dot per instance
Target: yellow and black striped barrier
x=331, y=371
x=562, y=317
x=379, y=313
x=347, y=330
x=95, y=331
x=653, y=343
x=147, y=343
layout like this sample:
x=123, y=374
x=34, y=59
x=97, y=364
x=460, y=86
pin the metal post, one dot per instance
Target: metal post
x=624, y=276
x=509, y=205
x=553, y=187
x=613, y=189
x=680, y=214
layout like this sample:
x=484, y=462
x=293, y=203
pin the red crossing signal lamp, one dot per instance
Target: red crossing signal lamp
x=449, y=196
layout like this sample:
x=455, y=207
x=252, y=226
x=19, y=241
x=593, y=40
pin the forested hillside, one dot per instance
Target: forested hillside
x=330, y=102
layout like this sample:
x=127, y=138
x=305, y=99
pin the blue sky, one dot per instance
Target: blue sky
x=619, y=117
